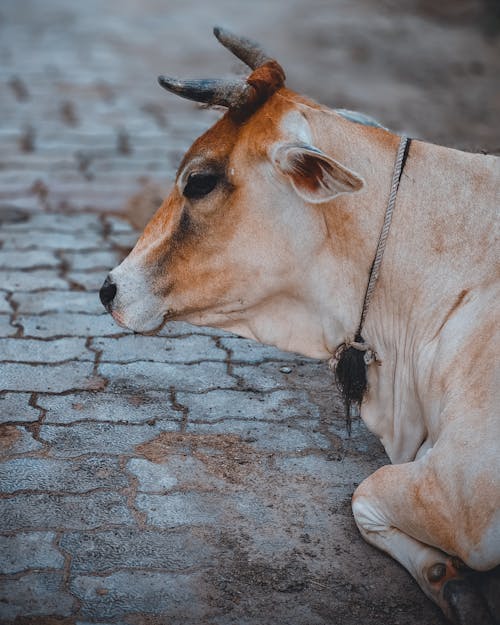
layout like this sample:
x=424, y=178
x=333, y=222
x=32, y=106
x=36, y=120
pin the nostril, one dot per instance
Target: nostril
x=107, y=292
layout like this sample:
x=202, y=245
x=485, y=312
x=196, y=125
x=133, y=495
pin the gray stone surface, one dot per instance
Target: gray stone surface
x=29, y=550
x=35, y=595
x=50, y=223
x=49, y=511
x=15, y=439
x=151, y=477
x=15, y=407
x=115, y=595
x=100, y=438
x=82, y=261
x=247, y=351
x=44, y=474
x=57, y=301
x=6, y=327
x=5, y=307
x=33, y=280
x=264, y=436
x=28, y=259
x=53, y=378
x=178, y=509
x=272, y=406
x=51, y=241
x=134, y=548
x=157, y=375
x=126, y=408
x=59, y=350
x=130, y=348
x=67, y=324
x=179, y=469
x=87, y=280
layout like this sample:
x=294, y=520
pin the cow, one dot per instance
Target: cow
x=270, y=232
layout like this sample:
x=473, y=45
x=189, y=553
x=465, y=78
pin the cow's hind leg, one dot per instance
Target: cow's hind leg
x=389, y=517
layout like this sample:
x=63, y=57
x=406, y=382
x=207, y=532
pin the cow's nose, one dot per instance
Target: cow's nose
x=107, y=293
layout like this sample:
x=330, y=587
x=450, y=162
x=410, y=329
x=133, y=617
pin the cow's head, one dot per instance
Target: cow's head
x=224, y=242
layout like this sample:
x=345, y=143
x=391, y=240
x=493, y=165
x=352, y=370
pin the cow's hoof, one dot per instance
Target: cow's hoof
x=464, y=605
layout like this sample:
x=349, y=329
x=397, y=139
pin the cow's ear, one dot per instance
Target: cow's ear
x=314, y=175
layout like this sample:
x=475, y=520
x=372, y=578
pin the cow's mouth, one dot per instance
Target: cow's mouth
x=118, y=318
x=168, y=316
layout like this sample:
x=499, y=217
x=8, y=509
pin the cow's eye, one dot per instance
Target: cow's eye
x=199, y=185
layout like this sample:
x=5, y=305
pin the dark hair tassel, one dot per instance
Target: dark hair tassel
x=350, y=376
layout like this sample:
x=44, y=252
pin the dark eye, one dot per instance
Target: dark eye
x=199, y=185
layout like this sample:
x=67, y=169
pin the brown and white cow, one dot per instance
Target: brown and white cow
x=270, y=232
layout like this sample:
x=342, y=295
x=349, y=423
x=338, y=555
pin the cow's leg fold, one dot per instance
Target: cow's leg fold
x=386, y=517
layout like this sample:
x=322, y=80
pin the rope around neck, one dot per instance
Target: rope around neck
x=401, y=156
x=353, y=356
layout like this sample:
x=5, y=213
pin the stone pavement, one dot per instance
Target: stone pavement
x=192, y=478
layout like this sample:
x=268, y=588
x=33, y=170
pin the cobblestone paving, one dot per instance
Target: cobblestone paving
x=194, y=477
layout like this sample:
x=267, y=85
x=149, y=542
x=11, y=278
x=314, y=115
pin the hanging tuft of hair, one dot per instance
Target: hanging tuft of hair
x=351, y=377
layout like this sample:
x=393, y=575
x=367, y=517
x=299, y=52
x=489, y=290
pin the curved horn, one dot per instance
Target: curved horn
x=246, y=50
x=229, y=93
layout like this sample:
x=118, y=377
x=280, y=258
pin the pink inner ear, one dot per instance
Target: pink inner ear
x=308, y=171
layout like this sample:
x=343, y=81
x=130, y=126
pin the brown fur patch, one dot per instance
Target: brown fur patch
x=265, y=80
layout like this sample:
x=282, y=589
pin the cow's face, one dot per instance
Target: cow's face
x=239, y=227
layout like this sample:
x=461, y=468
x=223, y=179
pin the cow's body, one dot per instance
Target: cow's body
x=265, y=257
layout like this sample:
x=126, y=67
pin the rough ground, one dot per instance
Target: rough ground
x=191, y=478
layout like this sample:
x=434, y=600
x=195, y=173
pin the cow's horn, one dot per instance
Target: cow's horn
x=222, y=92
x=246, y=50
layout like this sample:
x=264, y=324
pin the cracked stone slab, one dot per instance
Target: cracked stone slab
x=53, y=379
x=128, y=548
x=88, y=280
x=183, y=470
x=203, y=509
x=68, y=324
x=247, y=351
x=46, y=474
x=31, y=280
x=16, y=440
x=176, y=509
x=161, y=376
x=29, y=550
x=82, y=261
x=57, y=222
x=56, y=302
x=56, y=241
x=152, y=477
x=6, y=327
x=15, y=407
x=310, y=375
x=28, y=259
x=135, y=347
x=116, y=595
x=5, y=307
x=100, y=438
x=129, y=408
x=31, y=350
x=265, y=436
x=35, y=594
x=275, y=405
x=119, y=225
x=50, y=511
